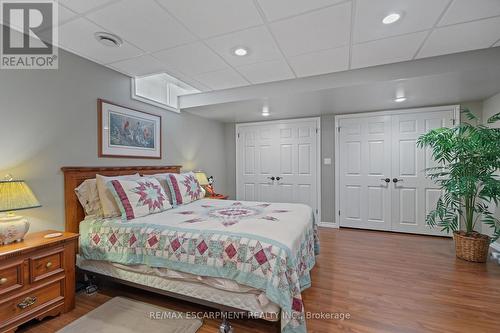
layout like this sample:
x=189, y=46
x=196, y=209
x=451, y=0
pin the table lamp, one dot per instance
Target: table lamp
x=14, y=195
x=203, y=181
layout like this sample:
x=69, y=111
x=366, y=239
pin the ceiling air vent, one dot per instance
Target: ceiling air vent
x=108, y=39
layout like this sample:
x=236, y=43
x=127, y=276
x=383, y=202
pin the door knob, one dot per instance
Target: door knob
x=278, y=178
x=395, y=180
x=272, y=178
x=387, y=180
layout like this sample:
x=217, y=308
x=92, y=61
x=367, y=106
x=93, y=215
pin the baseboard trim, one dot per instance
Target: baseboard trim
x=495, y=246
x=329, y=225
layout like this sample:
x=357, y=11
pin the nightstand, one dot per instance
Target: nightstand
x=37, y=278
x=218, y=196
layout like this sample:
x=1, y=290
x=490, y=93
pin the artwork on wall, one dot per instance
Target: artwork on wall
x=125, y=132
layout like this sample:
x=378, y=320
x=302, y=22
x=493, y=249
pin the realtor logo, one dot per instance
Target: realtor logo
x=28, y=34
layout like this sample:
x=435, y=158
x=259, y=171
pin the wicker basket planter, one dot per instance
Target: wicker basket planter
x=473, y=247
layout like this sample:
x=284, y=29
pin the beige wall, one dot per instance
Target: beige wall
x=491, y=106
x=48, y=119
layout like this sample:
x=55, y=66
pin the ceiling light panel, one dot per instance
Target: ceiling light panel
x=210, y=18
x=418, y=15
x=392, y=18
x=241, y=51
x=258, y=41
x=316, y=31
x=143, y=23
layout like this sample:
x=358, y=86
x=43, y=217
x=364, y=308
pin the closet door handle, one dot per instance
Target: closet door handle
x=387, y=180
x=271, y=178
x=395, y=180
x=278, y=178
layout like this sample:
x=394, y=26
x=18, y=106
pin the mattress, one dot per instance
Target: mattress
x=219, y=291
x=257, y=248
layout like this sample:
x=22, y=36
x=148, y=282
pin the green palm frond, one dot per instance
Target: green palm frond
x=468, y=158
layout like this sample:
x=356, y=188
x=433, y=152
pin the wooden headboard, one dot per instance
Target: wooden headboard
x=74, y=176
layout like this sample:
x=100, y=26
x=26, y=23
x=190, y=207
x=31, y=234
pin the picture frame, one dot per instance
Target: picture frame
x=124, y=132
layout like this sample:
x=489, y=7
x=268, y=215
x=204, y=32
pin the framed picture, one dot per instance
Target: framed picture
x=125, y=132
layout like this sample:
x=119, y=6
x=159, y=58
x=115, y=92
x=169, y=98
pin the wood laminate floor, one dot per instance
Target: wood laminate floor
x=387, y=282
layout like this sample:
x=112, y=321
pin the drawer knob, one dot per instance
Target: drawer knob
x=3, y=281
x=27, y=302
x=48, y=265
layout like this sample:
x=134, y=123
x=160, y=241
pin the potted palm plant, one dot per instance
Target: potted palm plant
x=468, y=158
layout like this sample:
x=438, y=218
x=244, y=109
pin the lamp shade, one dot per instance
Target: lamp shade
x=16, y=195
x=201, y=177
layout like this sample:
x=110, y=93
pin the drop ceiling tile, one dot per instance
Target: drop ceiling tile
x=417, y=16
x=266, y=71
x=258, y=40
x=214, y=17
x=65, y=14
x=466, y=10
x=138, y=66
x=462, y=37
x=319, y=30
x=224, y=79
x=82, y=6
x=191, y=59
x=322, y=62
x=385, y=51
x=277, y=9
x=78, y=37
x=143, y=23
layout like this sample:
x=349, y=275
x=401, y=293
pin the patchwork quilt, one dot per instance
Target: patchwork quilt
x=268, y=246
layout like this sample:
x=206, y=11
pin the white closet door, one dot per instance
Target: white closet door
x=256, y=148
x=296, y=163
x=365, y=155
x=414, y=195
x=286, y=150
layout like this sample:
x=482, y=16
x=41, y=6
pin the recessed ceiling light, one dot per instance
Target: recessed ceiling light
x=240, y=51
x=392, y=18
x=265, y=111
x=399, y=99
x=108, y=39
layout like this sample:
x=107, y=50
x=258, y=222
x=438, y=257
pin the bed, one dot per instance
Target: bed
x=252, y=257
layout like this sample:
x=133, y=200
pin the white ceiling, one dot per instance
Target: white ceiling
x=193, y=39
x=448, y=79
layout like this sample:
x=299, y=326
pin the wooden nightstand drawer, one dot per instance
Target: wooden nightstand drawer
x=46, y=264
x=16, y=307
x=38, y=278
x=11, y=277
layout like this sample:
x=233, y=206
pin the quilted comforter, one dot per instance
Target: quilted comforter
x=268, y=246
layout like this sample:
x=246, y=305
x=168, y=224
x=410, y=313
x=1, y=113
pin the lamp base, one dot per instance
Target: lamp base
x=13, y=230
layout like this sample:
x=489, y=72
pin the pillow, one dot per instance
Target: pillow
x=140, y=197
x=162, y=178
x=184, y=188
x=109, y=206
x=89, y=197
